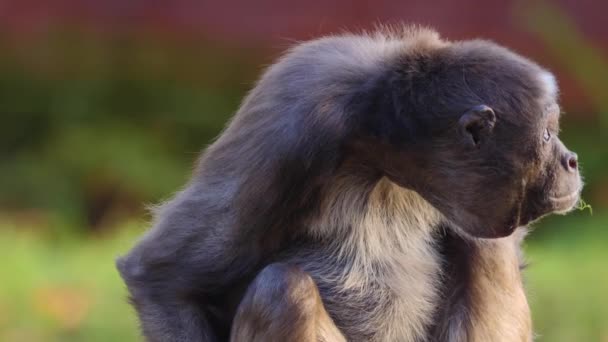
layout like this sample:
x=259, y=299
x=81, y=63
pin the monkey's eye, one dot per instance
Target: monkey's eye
x=546, y=135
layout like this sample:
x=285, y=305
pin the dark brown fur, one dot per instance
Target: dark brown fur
x=350, y=197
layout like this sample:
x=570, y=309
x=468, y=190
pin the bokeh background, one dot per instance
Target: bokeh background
x=104, y=106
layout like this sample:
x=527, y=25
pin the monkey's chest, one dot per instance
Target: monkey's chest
x=378, y=301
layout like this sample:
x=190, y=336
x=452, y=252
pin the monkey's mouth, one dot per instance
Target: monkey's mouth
x=543, y=205
x=565, y=203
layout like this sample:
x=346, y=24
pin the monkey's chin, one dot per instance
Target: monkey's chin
x=556, y=205
x=566, y=203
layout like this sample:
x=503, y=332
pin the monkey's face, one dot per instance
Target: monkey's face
x=494, y=170
x=554, y=183
x=492, y=176
x=481, y=139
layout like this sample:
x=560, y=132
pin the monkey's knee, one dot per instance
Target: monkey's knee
x=128, y=269
x=133, y=271
x=142, y=281
x=133, y=274
x=282, y=304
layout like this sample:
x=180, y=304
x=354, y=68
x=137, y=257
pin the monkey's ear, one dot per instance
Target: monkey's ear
x=476, y=124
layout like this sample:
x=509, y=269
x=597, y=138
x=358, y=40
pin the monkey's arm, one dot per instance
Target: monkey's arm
x=283, y=304
x=189, y=255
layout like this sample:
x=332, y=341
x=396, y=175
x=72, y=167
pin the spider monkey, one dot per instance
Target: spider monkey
x=371, y=187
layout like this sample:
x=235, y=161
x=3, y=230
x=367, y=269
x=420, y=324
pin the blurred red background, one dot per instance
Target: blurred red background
x=270, y=25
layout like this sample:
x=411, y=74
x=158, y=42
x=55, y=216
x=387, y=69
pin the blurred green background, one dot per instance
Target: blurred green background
x=106, y=104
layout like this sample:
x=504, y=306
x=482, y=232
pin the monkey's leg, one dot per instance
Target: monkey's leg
x=165, y=311
x=283, y=304
x=181, y=262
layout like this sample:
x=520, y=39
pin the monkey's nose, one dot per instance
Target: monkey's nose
x=570, y=161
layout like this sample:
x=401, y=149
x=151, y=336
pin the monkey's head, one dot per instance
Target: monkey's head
x=473, y=128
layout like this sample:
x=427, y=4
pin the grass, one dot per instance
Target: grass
x=63, y=290
x=67, y=290
x=567, y=279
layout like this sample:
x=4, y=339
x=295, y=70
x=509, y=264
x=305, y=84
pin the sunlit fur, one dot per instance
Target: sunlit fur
x=385, y=250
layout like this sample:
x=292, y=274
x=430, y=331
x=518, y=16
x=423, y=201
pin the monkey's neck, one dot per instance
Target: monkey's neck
x=373, y=214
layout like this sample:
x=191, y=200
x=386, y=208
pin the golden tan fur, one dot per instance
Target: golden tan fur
x=396, y=231
x=389, y=249
x=500, y=312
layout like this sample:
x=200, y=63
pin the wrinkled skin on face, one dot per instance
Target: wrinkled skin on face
x=556, y=184
x=498, y=163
